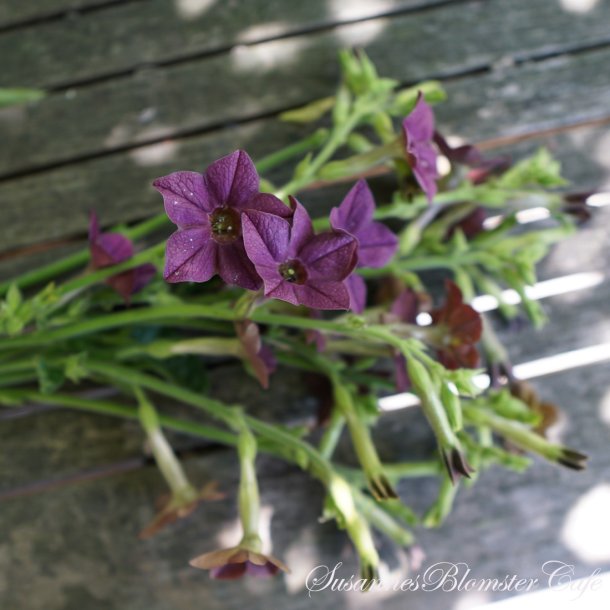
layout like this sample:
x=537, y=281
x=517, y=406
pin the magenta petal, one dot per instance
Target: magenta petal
x=190, y=256
x=355, y=211
x=376, y=246
x=419, y=124
x=142, y=276
x=302, y=229
x=185, y=198
x=322, y=295
x=116, y=246
x=229, y=571
x=235, y=268
x=356, y=287
x=94, y=227
x=122, y=284
x=265, y=571
x=405, y=306
x=265, y=202
x=266, y=237
x=284, y=291
x=231, y=181
x=330, y=255
x=424, y=168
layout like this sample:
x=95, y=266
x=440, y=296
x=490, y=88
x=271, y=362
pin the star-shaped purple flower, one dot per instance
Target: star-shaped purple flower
x=418, y=130
x=109, y=249
x=207, y=208
x=376, y=243
x=297, y=266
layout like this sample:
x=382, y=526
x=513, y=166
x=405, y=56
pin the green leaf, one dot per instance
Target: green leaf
x=50, y=377
x=75, y=368
x=541, y=169
x=14, y=298
x=18, y=96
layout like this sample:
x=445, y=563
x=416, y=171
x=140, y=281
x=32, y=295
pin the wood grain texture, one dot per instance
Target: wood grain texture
x=515, y=100
x=130, y=33
x=260, y=79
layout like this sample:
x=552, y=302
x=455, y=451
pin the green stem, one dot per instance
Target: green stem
x=297, y=149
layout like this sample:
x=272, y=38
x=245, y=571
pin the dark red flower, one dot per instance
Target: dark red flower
x=459, y=328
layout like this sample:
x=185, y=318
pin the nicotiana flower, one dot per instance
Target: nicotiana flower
x=207, y=208
x=235, y=562
x=297, y=266
x=418, y=131
x=460, y=328
x=109, y=249
x=376, y=242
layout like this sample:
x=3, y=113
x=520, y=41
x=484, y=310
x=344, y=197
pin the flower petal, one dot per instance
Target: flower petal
x=331, y=255
x=190, y=256
x=143, y=274
x=231, y=181
x=266, y=202
x=355, y=211
x=322, y=295
x=266, y=238
x=376, y=246
x=266, y=570
x=185, y=198
x=230, y=571
x=302, y=228
x=218, y=558
x=356, y=287
x=235, y=268
x=419, y=124
x=406, y=306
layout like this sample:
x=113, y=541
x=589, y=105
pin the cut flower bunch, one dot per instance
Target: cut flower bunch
x=248, y=274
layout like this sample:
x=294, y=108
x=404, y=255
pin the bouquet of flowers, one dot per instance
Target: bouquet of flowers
x=249, y=275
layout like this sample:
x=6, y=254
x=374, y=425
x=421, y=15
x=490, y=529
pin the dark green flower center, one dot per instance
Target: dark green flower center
x=225, y=224
x=293, y=272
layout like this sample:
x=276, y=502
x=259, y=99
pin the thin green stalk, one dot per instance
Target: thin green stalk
x=293, y=150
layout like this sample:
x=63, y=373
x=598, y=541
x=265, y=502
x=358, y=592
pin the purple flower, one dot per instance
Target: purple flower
x=418, y=129
x=235, y=562
x=297, y=266
x=109, y=249
x=376, y=243
x=207, y=208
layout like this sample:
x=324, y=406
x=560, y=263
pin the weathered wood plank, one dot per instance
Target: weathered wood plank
x=126, y=35
x=56, y=203
x=17, y=12
x=254, y=80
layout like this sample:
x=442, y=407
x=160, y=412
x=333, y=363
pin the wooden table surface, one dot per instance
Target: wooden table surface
x=139, y=88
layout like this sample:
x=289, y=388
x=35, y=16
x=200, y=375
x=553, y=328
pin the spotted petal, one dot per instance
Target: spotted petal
x=185, y=198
